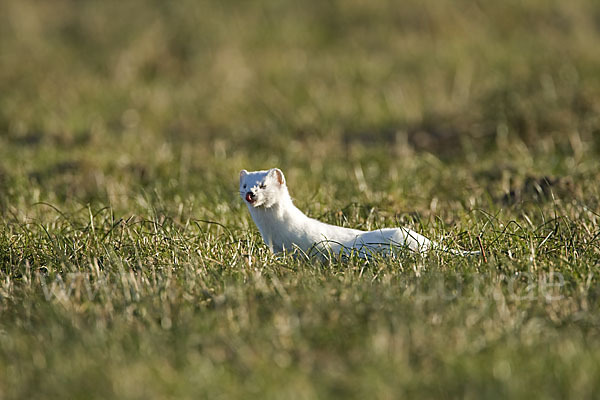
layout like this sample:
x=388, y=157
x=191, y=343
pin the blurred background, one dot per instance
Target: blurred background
x=102, y=99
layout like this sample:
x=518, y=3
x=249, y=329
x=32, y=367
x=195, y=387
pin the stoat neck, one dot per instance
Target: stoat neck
x=286, y=211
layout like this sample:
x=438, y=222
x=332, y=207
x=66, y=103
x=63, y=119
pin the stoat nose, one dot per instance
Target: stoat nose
x=250, y=197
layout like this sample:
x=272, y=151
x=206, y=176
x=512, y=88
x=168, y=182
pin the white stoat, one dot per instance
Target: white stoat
x=285, y=228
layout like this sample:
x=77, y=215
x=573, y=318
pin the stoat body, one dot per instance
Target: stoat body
x=284, y=227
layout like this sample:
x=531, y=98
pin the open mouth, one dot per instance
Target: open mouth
x=250, y=198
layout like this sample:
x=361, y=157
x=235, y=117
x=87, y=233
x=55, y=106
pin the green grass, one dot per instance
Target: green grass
x=129, y=267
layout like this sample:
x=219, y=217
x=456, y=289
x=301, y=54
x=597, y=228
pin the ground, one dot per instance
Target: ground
x=130, y=268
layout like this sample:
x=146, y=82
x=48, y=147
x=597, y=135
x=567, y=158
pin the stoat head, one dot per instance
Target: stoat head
x=262, y=188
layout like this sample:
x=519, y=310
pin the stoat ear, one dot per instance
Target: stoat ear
x=243, y=173
x=276, y=173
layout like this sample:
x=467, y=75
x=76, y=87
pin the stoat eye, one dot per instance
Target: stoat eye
x=244, y=186
x=262, y=186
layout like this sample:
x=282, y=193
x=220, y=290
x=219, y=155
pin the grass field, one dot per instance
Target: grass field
x=130, y=268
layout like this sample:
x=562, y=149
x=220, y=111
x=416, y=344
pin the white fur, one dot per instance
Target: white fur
x=285, y=228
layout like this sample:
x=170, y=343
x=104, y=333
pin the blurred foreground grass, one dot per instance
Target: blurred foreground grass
x=130, y=269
